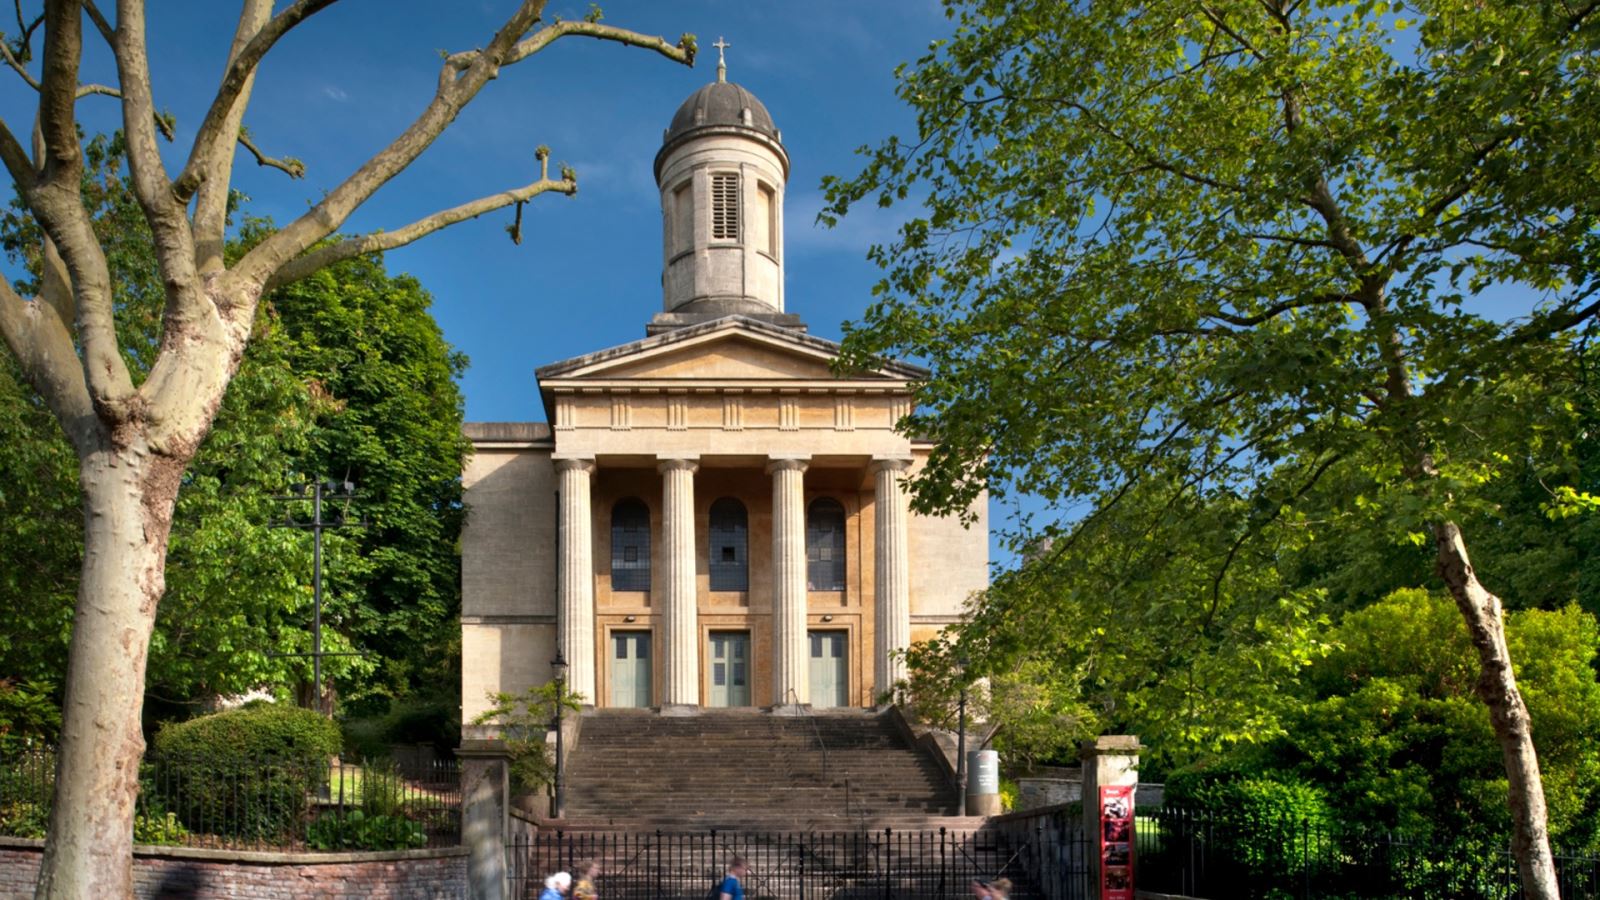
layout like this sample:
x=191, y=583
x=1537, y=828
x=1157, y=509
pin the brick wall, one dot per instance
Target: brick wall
x=187, y=873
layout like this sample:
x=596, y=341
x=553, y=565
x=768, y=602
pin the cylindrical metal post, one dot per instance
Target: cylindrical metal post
x=961, y=750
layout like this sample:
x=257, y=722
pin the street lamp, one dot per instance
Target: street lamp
x=558, y=669
x=330, y=509
x=961, y=735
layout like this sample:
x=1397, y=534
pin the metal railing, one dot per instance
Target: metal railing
x=1219, y=853
x=265, y=802
x=864, y=865
x=816, y=730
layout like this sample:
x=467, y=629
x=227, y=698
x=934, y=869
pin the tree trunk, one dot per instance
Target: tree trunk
x=1497, y=686
x=128, y=498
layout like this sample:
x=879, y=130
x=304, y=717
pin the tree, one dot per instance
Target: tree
x=348, y=376
x=135, y=439
x=1236, y=247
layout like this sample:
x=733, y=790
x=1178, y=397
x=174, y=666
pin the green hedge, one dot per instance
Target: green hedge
x=245, y=773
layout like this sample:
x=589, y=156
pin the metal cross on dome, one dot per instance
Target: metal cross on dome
x=722, y=62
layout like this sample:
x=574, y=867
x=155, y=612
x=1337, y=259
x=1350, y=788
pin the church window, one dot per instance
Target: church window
x=630, y=546
x=762, y=226
x=683, y=218
x=825, y=545
x=730, y=546
x=725, y=206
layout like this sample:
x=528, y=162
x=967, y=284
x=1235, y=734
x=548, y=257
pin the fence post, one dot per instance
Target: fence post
x=1111, y=760
x=485, y=823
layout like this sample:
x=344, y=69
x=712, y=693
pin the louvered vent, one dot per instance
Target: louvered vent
x=725, y=207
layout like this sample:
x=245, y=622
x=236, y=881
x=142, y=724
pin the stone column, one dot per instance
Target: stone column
x=791, y=677
x=681, y=660
x=575, y=593
x=1111, y=760
x=892, y=594
x=485, y=824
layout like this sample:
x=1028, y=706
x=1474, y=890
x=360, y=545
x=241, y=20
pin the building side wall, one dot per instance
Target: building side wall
x=949, y=563
x=508, y=573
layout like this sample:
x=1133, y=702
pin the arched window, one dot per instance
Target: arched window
x=730, y=546
x=630, y=546
x=825, y=545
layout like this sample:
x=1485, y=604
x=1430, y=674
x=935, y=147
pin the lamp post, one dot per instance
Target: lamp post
x=558, y=668
x=961, y=735
x=330, y=509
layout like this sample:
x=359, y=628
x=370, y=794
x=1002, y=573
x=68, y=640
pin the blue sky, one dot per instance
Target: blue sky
x=587, y=274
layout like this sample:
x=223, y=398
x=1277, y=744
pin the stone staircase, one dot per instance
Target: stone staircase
x=748, y=770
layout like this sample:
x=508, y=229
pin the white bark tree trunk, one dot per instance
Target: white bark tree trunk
x=128, y=500
x=1497, y=687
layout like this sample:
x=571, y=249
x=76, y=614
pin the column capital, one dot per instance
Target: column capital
x=665, y=464
x=574, y=464
x=779, y=464
x=890, y=463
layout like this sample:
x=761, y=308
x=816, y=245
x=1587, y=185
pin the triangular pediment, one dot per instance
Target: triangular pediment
x=734, y=349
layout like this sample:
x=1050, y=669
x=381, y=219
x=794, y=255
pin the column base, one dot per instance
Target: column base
x=791, y=709
x=679, y=709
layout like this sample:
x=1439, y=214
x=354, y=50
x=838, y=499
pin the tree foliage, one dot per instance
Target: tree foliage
x=1392, y=736
x=347, y=376
x=1217, y=280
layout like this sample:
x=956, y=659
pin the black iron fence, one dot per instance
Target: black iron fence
x=1199, y=853
x=860, y=865
x=289, y=803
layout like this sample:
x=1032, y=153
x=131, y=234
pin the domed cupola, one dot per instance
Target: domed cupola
x=721, y=170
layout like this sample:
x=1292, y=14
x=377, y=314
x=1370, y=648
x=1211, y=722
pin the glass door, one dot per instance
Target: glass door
x=730, y=668
x=830, y=676
x=630, y=668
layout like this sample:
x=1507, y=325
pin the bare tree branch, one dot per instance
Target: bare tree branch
x=169, y=224
x=43, y=346
x=211, y=203
x=100, y=23
x=544, y=36
x=235, y=85
x=388, y=240
x=15, y=158
x=450, y=97
x=55, y=197
x=288, y=165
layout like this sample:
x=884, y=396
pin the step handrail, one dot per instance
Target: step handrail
x=812, y=719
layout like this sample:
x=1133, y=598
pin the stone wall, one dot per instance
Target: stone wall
x=180, y=872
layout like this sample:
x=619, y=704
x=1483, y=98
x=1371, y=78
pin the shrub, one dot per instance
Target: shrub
x=158, y=828
x=29, y=716
x=246, y=773
x=357, y=830
x=1268, y=827
x=382, y=790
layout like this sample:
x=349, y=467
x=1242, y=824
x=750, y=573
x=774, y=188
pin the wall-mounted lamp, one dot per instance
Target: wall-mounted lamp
x=827, y=618
x=630, y=618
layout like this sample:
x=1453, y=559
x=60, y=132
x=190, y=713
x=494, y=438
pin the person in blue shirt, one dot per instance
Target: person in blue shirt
x=556, y=887
x=731, y=888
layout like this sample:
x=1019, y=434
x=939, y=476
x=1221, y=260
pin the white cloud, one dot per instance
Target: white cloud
x=867, y=224
x=335, y=93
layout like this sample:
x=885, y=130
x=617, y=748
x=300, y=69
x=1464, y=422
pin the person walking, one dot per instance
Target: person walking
x=731, y=887
x=556, y=887
x=583, y=885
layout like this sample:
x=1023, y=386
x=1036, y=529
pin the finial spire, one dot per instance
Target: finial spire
x=722, y=63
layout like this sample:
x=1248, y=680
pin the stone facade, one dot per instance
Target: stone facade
x=727, y=403
x=179, y=873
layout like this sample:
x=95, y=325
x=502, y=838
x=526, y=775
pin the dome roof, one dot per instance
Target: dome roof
x=721, y=104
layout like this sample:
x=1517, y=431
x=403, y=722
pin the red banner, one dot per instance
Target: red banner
x=1116, y=843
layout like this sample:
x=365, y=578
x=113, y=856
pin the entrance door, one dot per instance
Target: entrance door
x=630, y=668
x=730, y=668
x=830, y=679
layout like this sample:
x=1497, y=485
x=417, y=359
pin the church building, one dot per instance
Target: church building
x=712, y=516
